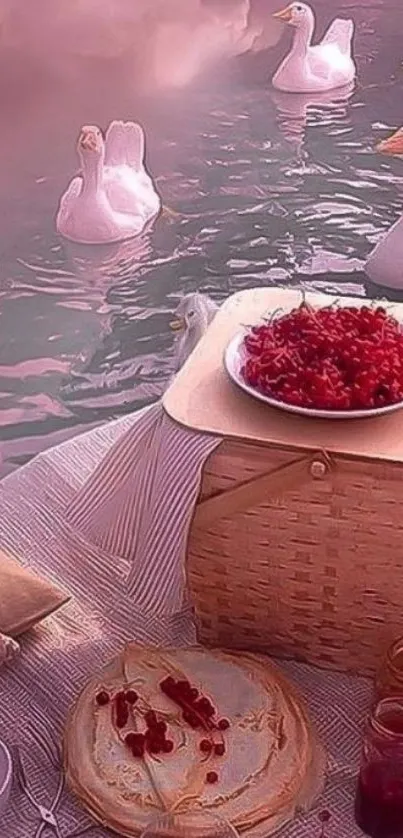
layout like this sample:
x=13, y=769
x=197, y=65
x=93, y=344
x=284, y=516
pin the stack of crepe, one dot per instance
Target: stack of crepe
x=272, y=767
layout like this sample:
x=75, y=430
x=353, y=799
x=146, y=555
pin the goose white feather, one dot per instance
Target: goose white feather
x=192, y=318
x=114, y=198
x=384, y=265
x=310, y=69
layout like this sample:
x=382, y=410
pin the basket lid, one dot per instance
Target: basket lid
x=203, y=398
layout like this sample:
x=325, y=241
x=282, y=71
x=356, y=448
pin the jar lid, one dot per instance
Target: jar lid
x=387, y=717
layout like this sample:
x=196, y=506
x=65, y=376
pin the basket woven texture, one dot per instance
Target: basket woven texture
x=313, y=569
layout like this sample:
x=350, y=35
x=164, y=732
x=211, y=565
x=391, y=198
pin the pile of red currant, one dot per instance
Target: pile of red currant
x=333, y=358
x=197, y=711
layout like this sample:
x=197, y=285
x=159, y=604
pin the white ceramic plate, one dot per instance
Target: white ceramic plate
x=234, y=359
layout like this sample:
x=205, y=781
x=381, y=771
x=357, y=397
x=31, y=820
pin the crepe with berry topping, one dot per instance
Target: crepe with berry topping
x=192, y=730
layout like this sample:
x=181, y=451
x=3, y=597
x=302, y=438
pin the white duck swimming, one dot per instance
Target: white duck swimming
x=384, y=265
x=113, y=198
x=307, y=68
x=192, y=318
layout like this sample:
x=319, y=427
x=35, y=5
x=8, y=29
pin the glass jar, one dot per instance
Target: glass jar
x=389, y=680
x=379, y=796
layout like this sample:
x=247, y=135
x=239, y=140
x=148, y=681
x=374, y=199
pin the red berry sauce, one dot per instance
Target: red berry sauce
x=379, y=795
x=379, y=802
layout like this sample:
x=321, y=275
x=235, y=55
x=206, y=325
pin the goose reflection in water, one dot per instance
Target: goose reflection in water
x=102, y=266
x=294, y=111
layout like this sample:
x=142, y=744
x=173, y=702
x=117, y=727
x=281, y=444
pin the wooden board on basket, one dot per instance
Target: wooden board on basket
x=203, y=397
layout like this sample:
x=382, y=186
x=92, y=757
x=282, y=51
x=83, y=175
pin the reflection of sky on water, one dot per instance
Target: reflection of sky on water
x=266, y=189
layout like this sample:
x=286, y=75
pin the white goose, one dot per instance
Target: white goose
x=384, y=265
x=310, y=69
x=114, y=197
x=192, y=318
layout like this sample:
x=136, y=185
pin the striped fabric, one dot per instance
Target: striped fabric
x=99, y=515
x=126, y=507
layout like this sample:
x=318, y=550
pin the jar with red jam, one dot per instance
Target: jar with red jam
x=389, y=680
x=379, y=796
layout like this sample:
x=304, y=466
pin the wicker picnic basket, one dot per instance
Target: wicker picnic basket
x=296, y=547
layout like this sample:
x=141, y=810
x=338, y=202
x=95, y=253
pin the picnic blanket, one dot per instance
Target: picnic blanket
x=105, y=515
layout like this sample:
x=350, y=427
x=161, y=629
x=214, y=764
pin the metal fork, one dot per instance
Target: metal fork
x=46, y=814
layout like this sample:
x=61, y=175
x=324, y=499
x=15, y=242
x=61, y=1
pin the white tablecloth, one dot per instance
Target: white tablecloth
x=115, y=538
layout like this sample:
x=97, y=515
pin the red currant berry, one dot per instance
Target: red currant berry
x=211, y=777
x=161, y=727
x=167, y=685
x=205, y=707
x=122, y=716
x=168, y=746
x=206, y=746
x=154, y=739
x=192, y=719
x=102, y=698
x=137, y=745
x=150, y=718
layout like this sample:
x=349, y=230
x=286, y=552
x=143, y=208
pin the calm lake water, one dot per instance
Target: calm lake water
x=269, y=190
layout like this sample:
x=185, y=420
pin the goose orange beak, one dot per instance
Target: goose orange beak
x=177, y=325
x=284, y=14
x=393, y=144
x=87, y=140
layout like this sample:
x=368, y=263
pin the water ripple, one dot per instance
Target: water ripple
x=261, y=188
